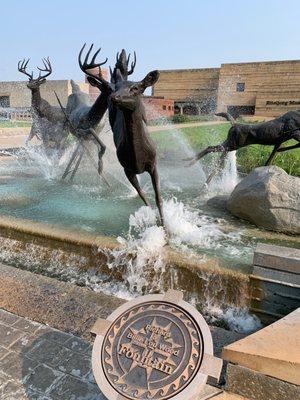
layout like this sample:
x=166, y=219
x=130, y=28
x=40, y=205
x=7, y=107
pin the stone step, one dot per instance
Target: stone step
x=273, y=275
x=257, y=386
x=68, y=307
x=277, y=257
x=273, y=299
x=62, y=305
x=272, y=351
x=275, y=281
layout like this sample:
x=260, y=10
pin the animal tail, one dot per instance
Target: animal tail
x=227, y=116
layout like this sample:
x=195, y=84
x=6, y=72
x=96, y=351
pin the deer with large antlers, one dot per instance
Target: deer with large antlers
x=270, y=133
x=84, y=120
x=48, y=121
x=136, y=151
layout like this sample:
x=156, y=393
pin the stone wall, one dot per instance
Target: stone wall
x=199, y=85
x=93, y=90
x=271, y=88
x=20, y=95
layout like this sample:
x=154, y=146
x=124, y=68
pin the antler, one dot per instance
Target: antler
x=121, y=71
x=47, y=68
x=22, y=65
x=87, y=65
x=133, y=64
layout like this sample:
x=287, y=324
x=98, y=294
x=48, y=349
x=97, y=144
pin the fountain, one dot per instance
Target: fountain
x=103, y=238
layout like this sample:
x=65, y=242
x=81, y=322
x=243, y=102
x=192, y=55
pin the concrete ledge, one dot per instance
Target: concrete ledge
x=196, y=275
x=277, y=257
x=272, y=275
x=272, y=351
x=61, y=305
x=256, y=386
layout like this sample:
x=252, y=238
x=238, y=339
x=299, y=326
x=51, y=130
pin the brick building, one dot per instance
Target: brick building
x=158, y=107
x=194, y=91
x=259, y=88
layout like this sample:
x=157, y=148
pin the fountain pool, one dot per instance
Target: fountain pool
x=104, y=238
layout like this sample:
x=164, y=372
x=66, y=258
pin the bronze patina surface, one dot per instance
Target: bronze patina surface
x=152, y=349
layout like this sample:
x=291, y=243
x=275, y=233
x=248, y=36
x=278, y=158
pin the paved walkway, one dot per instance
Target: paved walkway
x=184, y=125
x=11, y=138
x=40, y=363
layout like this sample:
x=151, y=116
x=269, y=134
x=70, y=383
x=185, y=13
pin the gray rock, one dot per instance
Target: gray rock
x=269, y=198
x=218, y=202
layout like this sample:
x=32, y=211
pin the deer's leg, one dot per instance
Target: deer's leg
x=101, y=152
x=102, y=149
x=156, y=185
x=135, y=183
x=67, y=170
x=210, y=149
x=77, y=164
x=218, y=168
x=276, y=147
x=295, y=146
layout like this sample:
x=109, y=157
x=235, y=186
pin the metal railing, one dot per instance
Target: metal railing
x=15, y=114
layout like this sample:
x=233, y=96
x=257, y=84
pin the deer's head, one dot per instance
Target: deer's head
x=122, y=93
x=126, y=94
x=34, y=83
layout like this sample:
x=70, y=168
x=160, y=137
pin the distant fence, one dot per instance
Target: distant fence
x=15, y=114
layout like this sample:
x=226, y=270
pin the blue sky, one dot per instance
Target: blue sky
x=166, y=34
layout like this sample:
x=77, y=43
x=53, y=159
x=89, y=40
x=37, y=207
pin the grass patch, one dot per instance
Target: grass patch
x=248, y=158
x=14, y=124
x=180, y=119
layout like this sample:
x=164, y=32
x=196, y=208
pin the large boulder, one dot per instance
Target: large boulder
x=269, y=198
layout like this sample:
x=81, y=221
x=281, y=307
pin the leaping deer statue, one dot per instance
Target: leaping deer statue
x=48, y=121
x=136, y=151
x=271, y=133
x=85, y=120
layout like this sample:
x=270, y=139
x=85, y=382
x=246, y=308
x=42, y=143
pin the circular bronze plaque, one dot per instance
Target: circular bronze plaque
x=151, y=350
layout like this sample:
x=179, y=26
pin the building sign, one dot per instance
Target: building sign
x=154, y=347
x=283, y=103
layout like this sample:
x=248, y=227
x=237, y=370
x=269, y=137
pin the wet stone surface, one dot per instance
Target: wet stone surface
x=41, y=363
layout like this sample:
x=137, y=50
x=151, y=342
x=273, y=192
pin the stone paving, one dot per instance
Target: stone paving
x=40, y=363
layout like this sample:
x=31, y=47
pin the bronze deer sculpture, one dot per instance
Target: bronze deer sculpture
x=136, y=151
x=271, y=133
x=84, y=120
x=48, y=121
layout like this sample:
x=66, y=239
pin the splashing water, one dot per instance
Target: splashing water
x=239, y=320
x=36, y=159
x=228, y=179
x=141, y=252
x=143, y=246
x=141, y=257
